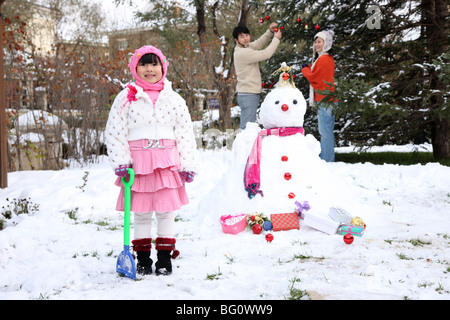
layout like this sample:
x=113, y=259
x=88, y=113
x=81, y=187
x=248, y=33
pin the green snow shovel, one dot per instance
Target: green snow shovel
x=125, y=261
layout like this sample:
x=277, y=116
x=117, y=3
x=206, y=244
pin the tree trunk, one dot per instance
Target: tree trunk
x=3, y=130
x=222, y=82
x=245, y=10
x=435, y=13
x=441, y=139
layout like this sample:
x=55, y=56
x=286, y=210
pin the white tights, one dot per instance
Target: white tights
x=143, y=224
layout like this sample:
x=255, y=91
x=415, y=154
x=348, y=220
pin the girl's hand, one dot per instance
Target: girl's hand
x=122, y=170
x=188, y=176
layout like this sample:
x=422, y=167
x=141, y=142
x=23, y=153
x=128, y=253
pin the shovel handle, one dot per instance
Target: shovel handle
x=130, y=182
x=127, y=205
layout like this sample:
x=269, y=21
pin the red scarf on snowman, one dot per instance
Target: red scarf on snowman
x=252, y=171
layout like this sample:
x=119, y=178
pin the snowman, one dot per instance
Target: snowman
x=275, y=167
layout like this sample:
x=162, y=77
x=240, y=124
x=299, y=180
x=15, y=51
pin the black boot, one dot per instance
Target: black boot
x=164, y=263
x=142, y=248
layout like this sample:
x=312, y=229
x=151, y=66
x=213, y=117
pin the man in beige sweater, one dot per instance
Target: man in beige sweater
x=247, y=56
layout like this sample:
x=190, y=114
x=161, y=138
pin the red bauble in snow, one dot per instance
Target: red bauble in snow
x=267, y=17
x=284, y=158
x=291, y=195
x=269, y=237
x=256, y=228
x=285, y=107
x=299, y=20
x=261, y=20
x=287, y=176
x=348, y=238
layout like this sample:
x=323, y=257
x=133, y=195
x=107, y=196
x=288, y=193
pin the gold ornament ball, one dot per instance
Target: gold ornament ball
x=357, y=221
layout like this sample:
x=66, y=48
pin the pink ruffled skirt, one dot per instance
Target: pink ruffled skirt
x=157, y=185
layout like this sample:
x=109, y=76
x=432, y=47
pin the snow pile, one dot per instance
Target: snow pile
x=68, y=249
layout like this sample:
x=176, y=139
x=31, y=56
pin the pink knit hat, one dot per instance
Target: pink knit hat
x=138, y=55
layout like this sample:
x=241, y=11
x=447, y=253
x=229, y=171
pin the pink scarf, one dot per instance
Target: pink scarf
x=252, y=169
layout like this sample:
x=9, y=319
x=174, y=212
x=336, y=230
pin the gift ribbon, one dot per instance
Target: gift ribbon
x=302, y=206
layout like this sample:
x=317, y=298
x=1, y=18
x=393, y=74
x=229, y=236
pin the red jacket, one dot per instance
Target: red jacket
x=323, y=72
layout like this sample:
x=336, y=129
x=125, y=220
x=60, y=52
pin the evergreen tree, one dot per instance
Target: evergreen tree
x=392, y=65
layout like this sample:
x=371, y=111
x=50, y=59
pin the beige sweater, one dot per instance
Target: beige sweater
x=246, y=61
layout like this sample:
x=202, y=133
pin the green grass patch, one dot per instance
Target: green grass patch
x=401, y=158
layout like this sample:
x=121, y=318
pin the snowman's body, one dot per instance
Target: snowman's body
x=290, y=171
x=290, y=167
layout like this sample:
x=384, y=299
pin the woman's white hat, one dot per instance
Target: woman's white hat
x=327, y=37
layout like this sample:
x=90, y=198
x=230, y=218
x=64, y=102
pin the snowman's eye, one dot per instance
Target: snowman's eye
x=295, y=101
x=277, y=102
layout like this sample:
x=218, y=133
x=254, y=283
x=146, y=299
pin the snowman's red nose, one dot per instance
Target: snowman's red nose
x=285, y=107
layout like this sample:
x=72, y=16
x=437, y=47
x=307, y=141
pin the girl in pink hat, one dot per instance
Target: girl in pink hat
x=150, y=129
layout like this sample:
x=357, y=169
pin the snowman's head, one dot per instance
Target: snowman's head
x=284, y=106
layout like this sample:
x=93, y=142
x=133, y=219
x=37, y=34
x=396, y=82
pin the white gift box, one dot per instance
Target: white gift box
x=340, y=215
x=321, y=223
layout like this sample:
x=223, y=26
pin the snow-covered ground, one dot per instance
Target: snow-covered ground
x=67, y=248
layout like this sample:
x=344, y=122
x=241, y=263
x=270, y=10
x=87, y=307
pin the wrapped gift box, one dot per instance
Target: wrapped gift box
x=284, y=221
x=353, y=230
x=340, y=215
x=321, y=223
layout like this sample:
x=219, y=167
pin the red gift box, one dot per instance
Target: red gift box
x=284, y=221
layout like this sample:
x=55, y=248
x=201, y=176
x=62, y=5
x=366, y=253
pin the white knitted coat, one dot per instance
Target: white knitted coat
x=134, y=120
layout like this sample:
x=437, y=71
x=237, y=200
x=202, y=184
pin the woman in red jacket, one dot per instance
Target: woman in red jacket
x=319, y=75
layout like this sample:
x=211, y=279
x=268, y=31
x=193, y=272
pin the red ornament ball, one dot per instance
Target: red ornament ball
x=267, y=17
x=291, y=195
x=257, y=228
x=285, y=76
x=287, y=176
x=263, y=84
x=285, y=107
x=261, y=20
x=299, y=20
x=284, y=158
x=276, y=29
x=269, y=237
x=317, y=27
x=348, y=238
x=281, y=28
